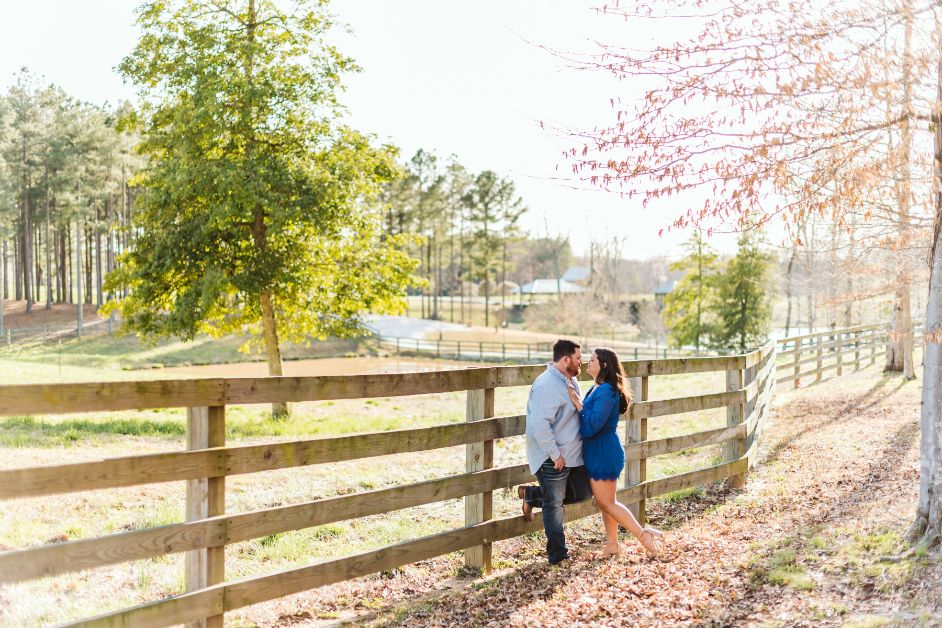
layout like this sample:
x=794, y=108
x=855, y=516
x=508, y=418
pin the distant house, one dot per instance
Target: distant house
x=550, y=286
x=578, y=274
x=661, y=292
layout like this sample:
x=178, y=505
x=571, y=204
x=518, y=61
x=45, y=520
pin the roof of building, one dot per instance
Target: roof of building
x=550, y=286
x=665, y=287
x=577, y=273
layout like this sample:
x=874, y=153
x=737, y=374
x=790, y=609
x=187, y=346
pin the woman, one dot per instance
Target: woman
x=602, y=450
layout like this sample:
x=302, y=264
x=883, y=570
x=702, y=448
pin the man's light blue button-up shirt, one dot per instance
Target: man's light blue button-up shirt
x=552, y=421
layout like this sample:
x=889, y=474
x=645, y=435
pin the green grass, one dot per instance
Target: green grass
x=779, y=567
x=128, y=352
x=683, y=494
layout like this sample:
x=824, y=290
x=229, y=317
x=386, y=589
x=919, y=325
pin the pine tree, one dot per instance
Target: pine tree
x=743, y=307
x=687, y=308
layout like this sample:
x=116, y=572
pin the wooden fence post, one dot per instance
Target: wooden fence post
x=635, y=432
x=873, y=347
x=206, y=427
x=735, y=416
x=857, y=350
x=840, y=354
x=820, y=356
x=797, y=352
x=478, y=457
x=753, y=407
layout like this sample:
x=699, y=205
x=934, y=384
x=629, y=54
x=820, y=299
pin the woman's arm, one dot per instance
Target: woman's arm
x=595, y=415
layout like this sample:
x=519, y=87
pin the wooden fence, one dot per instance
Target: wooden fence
x=808, y=359
x=499, y=351
x=750, y=379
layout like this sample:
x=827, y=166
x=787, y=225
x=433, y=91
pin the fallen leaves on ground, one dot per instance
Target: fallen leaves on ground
x=799, y=546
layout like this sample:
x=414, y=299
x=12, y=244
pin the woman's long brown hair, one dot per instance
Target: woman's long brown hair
x=611, y=372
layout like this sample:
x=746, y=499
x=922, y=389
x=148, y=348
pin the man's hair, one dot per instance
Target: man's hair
x=564, y=348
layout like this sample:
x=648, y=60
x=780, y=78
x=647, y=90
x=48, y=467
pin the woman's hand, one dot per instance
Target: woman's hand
x=574, y=397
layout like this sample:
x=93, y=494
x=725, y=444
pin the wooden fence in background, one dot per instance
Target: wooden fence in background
x=750, y=380
x=500, y=351
x=810, y=358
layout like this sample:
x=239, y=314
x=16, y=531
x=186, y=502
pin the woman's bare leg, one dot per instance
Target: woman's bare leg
x=604, y=492
x=611, y=528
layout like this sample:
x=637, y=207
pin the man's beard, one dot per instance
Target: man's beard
x=574, y=368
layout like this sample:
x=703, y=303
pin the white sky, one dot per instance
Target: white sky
x=466, y=78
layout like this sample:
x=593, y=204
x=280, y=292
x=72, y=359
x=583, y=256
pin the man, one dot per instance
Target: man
x=554, y=447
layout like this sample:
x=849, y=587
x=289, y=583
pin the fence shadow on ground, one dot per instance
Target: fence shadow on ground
x=858, y=404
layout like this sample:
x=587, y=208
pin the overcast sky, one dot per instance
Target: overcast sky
x=463, y=78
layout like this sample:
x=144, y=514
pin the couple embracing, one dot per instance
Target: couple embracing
x=573, y=448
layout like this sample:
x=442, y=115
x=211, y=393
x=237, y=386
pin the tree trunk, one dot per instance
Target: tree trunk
x=49, y=244
x=439, y=272
x=71, y=268
x=503, y=275
x=37, y=265
x=810, y=271
x=58, y=263
x=63, y=265
x=6, y=279
x=432, y=281
x=98, y=295
x=894, y=349
x=849, y=280
x=78, y=274
x=699, y=290
x=928, y=523
x=25, y=247
x=788, y=289
x=487, y=297
x=272, y=350
x=906, y=346
x=88, y=265
x=3, y=280
x=109, y=232
x=454, y=274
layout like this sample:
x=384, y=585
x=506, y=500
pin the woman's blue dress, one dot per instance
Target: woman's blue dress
x=602, y=450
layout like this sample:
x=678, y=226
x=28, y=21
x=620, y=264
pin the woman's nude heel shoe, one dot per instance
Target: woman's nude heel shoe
x=612, y=548
x=648, y=539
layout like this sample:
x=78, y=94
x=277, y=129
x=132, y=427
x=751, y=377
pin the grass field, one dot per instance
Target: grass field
x=30, y=441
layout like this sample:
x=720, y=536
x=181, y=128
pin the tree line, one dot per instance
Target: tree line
x=66, y=203
x=720, y=304
x=469, y=223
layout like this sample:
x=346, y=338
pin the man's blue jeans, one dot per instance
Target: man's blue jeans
x=565, y=486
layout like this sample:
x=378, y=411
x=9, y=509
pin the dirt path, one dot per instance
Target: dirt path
x=801, y=545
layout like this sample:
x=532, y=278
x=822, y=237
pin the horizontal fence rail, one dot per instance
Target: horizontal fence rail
x=811, y=357
x=750, y=383
x=493, y=350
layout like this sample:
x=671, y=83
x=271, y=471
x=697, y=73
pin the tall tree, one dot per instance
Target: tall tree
x=22, y=147
x=743, y=298
x=249, y=166
x=6, y=212
x=493, y=208
x=927, y=527
x=687, y=306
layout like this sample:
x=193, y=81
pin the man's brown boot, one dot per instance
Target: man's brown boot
x=527, y=508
